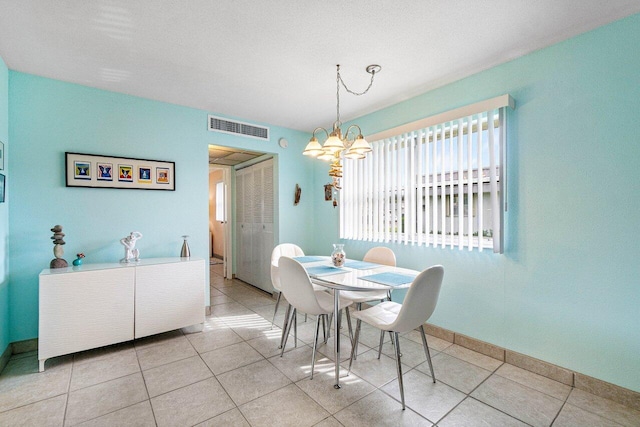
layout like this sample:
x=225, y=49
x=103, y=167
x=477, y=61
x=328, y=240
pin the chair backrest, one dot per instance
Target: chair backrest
x=283, y=249
x=380, y=255
x=296, y=287
x=420, y=301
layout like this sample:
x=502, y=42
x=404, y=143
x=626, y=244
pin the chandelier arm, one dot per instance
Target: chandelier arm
x=346, y=133
x=322, y=129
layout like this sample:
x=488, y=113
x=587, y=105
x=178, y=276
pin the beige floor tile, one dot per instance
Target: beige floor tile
x=523, y=403
x=221, y=299
x=457, y=373
x=537, y=382
x=471, y=413
x=434, y=343
x=231, y=357
x=230, y=310
x=478, y=359
x=138, y=415
x=345, y=347
x=267, y=344
x=412, y=352
x=163, y=338
x=49, y=412
x=90, y=372
x=22, y=384
x=288, y=406
x=373, y=370
x=296, y=364
x=321, y=390
x=103, y=398
x=252, y=381
x=605, y=408
x=167, y=352
x=230, y=418
x=572, y=416
x=250, y=326
x=329, y=422
x=192, y=404
x=379, y=409
x=175, y=375
x=102, y=352
x=212, y=340
x=430, y=400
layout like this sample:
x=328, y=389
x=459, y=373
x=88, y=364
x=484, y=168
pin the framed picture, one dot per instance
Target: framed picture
x=1, y=155
x=1, y=188
x=98, y=171
x=328, y=192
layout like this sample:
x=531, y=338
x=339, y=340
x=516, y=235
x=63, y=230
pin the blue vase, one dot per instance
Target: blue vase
x=77, y=261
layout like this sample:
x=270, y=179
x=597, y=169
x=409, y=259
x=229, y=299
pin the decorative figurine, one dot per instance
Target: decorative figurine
x=131, y=254
x=78, y=261
x=58, y=250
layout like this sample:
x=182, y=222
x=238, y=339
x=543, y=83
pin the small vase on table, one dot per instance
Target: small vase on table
x=338, y=256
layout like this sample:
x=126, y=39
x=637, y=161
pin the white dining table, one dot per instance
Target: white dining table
x=350, y=279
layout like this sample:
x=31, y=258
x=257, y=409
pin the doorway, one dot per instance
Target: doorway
x=221, y=168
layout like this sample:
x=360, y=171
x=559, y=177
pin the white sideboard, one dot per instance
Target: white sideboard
x=94, y=305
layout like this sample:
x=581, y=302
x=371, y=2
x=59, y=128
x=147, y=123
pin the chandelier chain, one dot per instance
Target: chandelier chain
x=339, y=81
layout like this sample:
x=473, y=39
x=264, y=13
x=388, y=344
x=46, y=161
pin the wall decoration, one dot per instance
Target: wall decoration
x=105, y=172
x=296, y=195
x=328, y=192
x=2, y=185
x=97, y=171
x=1, y=155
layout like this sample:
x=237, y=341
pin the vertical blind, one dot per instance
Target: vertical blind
x=434, y=183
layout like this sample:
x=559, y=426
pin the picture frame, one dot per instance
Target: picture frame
x=328, y=192
x=100, y=171
x=2, y=188
x=1, y=155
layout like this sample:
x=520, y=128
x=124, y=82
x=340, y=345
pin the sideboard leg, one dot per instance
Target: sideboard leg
x=41, y=364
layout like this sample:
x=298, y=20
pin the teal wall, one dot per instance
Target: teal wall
x=4, y=212
x=49, y=117
x=567, y=289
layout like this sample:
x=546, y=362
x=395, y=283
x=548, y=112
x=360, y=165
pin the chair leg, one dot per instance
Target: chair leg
x=295, y=328
x=380, y=346
x=276, y=310
x=349, y=324
x=329, y=321
x=287, y=329
x=315, y=344
x=324, y=328
x=358, y=323
x=426, y=351
x=284, y=325
x=353, y=348
x=356, y=340
x=399, y=366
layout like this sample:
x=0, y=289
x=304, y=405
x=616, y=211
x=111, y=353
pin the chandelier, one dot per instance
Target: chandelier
x=338, y=145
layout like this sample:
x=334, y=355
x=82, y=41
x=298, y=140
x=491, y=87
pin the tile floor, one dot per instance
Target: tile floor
x=231, y=374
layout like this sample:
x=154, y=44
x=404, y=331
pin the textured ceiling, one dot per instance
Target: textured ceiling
x=274, y=61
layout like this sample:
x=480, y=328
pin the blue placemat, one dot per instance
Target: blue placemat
x=324, y=270
x=361, y=265
x=389, y=279
x=303, y=259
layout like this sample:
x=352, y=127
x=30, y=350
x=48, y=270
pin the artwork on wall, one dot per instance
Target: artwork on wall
x=1, y=155
x=97, y=171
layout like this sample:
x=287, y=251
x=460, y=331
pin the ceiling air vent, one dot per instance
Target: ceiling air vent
x=218, y=124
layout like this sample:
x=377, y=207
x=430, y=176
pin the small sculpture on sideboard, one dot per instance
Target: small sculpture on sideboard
x=58, y=250
x=131, y=254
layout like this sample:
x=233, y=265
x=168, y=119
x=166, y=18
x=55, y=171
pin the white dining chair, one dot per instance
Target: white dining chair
x=418, y=306
x=284, y=249
x=378, y=255
x=297, y=288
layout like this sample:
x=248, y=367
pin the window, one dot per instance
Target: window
x=410, y=187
